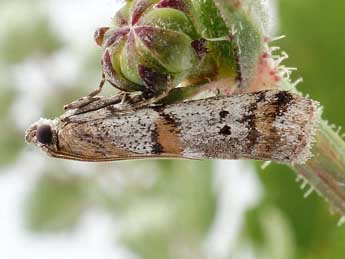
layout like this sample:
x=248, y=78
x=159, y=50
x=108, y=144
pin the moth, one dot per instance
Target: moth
x=267, y=125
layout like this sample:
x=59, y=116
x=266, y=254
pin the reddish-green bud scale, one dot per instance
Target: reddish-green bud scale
x=99, y=35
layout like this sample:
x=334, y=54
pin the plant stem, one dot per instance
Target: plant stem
x=325, y=171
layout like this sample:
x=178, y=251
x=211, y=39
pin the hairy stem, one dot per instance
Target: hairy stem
x=325, y=171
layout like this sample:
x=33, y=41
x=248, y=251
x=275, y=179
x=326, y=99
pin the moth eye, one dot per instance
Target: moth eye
x=44, y=135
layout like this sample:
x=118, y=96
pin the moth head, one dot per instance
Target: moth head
x=42, y=134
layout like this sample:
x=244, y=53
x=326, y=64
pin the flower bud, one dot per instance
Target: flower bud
x=150, y=43
x=156, y=44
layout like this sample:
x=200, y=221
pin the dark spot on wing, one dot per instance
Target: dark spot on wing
x=250, y=120
x=223, y=114
x=157, y=148
x=283, y=99
x=226, y=130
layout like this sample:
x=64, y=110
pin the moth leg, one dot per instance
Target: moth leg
x=98, y=104
x=99, y=89
x=86, y=100
x=188, y=92
x=121, y=102
x=172, y=94
x=168, y=96
x=124, y=98
x=180, y=94
x=148, y=98
x=224, y=87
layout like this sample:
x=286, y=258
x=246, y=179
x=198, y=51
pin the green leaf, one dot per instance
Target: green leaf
x=248, y=37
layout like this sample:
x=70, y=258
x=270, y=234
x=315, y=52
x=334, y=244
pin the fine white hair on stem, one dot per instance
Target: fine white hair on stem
x=273, y=20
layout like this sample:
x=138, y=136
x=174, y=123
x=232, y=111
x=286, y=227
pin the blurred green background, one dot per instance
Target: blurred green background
x=154, y=210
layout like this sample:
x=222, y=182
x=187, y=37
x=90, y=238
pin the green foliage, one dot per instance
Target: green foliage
x=177, y=211
x=37, y=38
x=7, y=96
x=248, y=36
x=317, y=49
x=11, y=142
x=213, y=27
x=55, y=204
x=270, y=233
x=10, y=139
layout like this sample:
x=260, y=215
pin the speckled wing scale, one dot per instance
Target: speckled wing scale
x=268, y=125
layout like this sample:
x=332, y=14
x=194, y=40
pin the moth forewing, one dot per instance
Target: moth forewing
x=267, y=125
